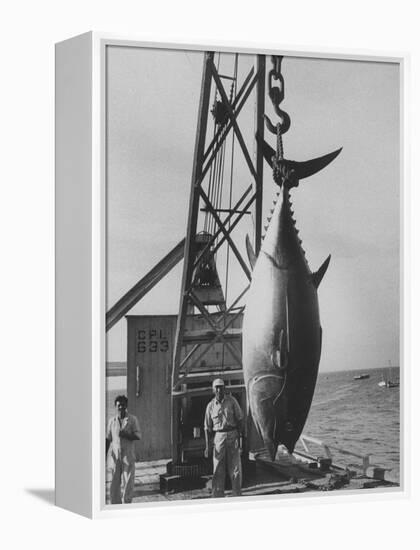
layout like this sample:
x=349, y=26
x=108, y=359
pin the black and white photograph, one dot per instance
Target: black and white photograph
x=210, y=274
x=252, y=273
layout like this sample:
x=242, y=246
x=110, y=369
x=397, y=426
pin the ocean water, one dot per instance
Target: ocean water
x=358, y=416
x=355, y=415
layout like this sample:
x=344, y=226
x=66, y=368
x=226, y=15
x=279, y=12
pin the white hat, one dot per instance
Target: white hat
x=217, y=382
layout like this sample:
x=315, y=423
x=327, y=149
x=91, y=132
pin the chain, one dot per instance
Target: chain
x=282, y=174
x=276, y=94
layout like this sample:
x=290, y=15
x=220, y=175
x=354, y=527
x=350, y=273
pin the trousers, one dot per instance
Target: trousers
x=122, y=482
x=226, y=456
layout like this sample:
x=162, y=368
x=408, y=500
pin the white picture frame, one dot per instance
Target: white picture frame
x=80, y=263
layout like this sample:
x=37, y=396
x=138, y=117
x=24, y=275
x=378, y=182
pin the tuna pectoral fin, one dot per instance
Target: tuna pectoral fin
x=250, y=251
x=318, y=275
x=280, y=353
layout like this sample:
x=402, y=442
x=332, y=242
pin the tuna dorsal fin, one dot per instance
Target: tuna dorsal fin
x=250, y=251
x=318, y=275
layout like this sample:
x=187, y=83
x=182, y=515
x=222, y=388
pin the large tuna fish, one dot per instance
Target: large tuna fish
x=281, y=332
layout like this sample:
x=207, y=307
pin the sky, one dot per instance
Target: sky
x=350, y=210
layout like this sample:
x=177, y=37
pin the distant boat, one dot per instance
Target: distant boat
x=361, y=377
x=388, y=384
x=386, y=381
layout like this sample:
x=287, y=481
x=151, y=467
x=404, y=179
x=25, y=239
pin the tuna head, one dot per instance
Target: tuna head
x=264, y=392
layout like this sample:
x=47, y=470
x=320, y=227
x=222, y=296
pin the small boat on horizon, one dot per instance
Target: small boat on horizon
x=388, y=384
x=361, y=376
x=386, y=381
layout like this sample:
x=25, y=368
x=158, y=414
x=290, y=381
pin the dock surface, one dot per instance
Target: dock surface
x=284, y=476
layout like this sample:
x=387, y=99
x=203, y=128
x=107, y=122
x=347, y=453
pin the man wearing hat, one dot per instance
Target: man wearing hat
x=224, y=418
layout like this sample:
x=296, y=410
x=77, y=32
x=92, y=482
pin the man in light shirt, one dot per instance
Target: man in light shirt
x=123, y=430
x=224, y=419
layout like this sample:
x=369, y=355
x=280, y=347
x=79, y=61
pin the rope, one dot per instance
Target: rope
x=217, y=183
x=233, y=92
x=220, y=182
x=210, y=185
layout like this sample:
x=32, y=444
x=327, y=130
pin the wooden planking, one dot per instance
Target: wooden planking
x=290, y=478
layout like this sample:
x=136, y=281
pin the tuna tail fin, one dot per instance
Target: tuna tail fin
x=302, y=169
x=318, y=275
x=250, y=251
x=310, y=167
